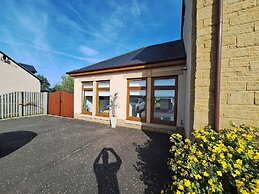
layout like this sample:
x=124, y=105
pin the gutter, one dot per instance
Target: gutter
x=218, y=66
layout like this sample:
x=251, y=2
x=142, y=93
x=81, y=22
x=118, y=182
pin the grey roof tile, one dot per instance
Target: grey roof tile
x=156, y=53
x=29, y=67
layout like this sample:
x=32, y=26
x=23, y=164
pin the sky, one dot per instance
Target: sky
x=57, y=36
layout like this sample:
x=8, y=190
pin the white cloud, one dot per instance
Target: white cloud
x=87, y=51
x=135, y=10
x=38, y=47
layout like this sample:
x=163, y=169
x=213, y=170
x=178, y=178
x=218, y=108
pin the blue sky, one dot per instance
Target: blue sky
x=57, y=36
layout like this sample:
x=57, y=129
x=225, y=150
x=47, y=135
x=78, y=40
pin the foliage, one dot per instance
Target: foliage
x=44, y=82
x=113, y=104
x=67, y=84
x=225, y=162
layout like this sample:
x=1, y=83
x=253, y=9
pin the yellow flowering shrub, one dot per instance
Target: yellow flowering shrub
x=225, y=162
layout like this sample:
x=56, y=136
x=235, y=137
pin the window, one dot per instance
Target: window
x=164, y=92
x=103, y=98
x=136, y=103
x=87, y=88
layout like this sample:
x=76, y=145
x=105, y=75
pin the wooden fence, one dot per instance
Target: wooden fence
x=19, y=104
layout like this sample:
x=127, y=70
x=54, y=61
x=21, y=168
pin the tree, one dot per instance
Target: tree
x=67, y=84
x=45, y=85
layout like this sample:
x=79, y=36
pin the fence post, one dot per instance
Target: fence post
x=45, y=103
x=2, y=106
x=20, y=104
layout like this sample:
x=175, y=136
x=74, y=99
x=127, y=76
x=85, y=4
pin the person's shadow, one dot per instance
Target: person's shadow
x=106, y=173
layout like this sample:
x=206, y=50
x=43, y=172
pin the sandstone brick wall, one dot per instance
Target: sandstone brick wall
x=240, y=62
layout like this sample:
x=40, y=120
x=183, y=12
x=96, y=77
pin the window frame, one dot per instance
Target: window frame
x=153, y=88
x=128, y=99
x=83, y=96
x=97, y=97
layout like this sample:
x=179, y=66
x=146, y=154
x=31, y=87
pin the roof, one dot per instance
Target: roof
x=168, y=51
x=29, y=67
x=23, y=67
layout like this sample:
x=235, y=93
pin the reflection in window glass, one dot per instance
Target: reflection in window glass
x=164, y=82
x=88, y=101
x=137, y=83
x=164, y=105
x=88, y=85
x=103, y=102
x=103, y=84
x=137, y=103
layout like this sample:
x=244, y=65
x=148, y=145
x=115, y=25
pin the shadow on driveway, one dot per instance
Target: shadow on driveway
x=152, y=161
x=12, y=141
x=106, y=171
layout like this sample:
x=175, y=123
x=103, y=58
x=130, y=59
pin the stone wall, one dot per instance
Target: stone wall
x=240, y=62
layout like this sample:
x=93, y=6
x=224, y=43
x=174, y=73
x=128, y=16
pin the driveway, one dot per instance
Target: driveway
x=48, y=154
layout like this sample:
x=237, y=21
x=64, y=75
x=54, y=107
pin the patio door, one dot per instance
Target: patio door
x=164, y=100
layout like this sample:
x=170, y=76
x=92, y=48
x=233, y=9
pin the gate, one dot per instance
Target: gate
x=61, y=103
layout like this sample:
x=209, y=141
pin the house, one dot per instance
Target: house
x=150, y=83
x=209, y=77
x=17, y=77
x=222, y=45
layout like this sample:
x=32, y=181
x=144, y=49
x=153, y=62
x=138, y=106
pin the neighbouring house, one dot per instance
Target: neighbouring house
x=209, y=77
x=17, y=77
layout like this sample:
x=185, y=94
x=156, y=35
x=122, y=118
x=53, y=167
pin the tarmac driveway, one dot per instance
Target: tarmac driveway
x=48, y=154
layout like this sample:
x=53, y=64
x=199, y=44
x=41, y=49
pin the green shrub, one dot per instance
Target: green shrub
x=225, y=162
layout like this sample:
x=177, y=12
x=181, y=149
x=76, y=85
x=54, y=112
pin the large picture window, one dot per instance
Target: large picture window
x=87, y=106
x=103, y=98
x=164, y=93
x=136, y=103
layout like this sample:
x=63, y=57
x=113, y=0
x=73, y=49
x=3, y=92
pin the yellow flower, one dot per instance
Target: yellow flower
x=250, y=154
x=239, y=183
x=197, y=176
x=222, y=156
x=255, y=191
x=249, y=137
x=224, y=164
x=187, y=183
x=204, y=139
x=204, y=163
x=210, y=182
x=205, y=174
x=178, y=135
x=238, y=161
x=178, y=192
x=230, y=155
x=181, y=187
x=239, y=150
x=230, y=148
x=187, y=141
x=237, y=172
x=243, y=191
x=199, y=154
x=256, y=157
x=237, y=166
x=219, y=173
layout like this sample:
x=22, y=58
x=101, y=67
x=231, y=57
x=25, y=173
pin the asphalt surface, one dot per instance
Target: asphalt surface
x=48, y=154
